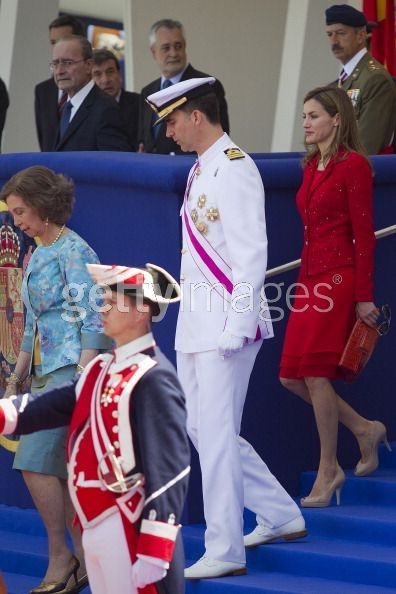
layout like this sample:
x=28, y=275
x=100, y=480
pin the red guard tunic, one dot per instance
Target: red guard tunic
x=128, y=405
x=104, y=400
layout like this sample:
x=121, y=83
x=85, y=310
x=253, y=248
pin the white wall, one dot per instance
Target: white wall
x=240, y=43
x=111, y=10
x=24, y=32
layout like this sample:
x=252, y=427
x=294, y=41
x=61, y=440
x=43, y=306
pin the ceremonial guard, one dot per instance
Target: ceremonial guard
x=222, y=321
x=128, y=454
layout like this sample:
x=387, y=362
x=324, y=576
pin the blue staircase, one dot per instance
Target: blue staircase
x=350, y=549
x=23, y=549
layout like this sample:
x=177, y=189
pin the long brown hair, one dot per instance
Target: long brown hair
x=335, y=100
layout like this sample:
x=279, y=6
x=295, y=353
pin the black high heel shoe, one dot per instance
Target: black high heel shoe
x=82, y=583
x=62, y=585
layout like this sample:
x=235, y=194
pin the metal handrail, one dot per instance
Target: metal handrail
x=296, y=263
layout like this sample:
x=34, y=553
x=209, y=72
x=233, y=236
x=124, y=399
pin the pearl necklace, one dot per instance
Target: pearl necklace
x=58, y=236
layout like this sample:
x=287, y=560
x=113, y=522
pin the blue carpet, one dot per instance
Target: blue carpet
x=350, y=549
x=23, y=549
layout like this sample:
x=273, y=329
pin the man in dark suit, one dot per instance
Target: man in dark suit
x=106, y=74
x=90, y=119
x=47, y=97
x=168, y=48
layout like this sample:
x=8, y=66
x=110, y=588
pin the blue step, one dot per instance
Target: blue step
x=350, y=549
x=316, y=555
x=260, y=582
x=378, y=488
x=17, y=583
x=26, y=521
x=373, y=524
x=31, y=549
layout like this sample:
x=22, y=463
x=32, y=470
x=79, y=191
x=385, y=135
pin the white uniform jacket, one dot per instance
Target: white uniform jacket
x=226, y=213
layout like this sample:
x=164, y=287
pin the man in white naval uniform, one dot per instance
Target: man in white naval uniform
x=220, y=329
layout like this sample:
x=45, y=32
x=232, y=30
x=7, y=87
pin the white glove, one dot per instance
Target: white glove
x=148, y=570
x=228, y=344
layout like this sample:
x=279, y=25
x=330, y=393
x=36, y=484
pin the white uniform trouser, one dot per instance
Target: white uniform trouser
x=233, y=474
x=107, y=558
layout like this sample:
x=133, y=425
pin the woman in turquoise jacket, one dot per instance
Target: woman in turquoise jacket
x=62, y=334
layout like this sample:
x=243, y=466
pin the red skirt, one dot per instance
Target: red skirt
x=319, y=325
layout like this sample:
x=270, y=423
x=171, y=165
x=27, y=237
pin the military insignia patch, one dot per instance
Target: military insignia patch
x=373, y=66
x=212, y=214
x=234, y=153
x=201, y=201
x=354, y=95
x=202, y=227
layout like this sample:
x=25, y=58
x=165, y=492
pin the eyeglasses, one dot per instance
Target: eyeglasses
x=383, y=327
x=65, y=63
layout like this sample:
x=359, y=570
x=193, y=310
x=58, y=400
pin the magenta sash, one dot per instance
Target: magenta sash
x=214, y=268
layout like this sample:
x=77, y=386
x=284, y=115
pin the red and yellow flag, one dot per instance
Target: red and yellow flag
x=383, y=45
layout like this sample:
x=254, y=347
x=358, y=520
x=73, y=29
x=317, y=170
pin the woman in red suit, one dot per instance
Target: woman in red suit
x=335, y=204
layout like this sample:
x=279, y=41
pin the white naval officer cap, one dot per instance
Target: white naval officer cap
x=167, y=100
x=152, y=283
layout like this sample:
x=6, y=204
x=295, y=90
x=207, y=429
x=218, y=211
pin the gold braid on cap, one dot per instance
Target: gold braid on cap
x=169, y=108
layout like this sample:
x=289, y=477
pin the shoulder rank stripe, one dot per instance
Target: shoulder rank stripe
x=234, y=153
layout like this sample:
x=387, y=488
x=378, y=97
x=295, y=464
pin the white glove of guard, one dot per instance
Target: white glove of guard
x=228, y=344
x=148, y=570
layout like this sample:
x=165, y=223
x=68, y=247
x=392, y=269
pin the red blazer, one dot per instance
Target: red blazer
x=336, y=209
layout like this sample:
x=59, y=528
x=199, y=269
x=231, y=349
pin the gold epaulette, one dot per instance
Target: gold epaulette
x=234, y=153
x=371, y=65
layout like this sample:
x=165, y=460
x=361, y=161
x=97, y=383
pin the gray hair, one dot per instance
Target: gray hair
x=167, y=24
x=86, y=47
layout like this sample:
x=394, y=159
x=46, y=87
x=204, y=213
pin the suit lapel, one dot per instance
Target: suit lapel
x=149, y=114
x=188, y=73
x=53, y=100
x=313, y=184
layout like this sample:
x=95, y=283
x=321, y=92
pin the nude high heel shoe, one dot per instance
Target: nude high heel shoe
x=377, y=435
x=324, y=500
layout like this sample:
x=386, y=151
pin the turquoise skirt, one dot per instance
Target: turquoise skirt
x=45, y=451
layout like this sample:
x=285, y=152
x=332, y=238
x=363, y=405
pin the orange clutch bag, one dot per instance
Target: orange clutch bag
x=361, y=344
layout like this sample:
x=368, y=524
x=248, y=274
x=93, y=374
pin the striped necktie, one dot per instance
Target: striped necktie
x=62, y=103
x=342, y=78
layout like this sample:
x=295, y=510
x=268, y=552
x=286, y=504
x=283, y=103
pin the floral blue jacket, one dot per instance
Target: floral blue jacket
x=56, y=293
